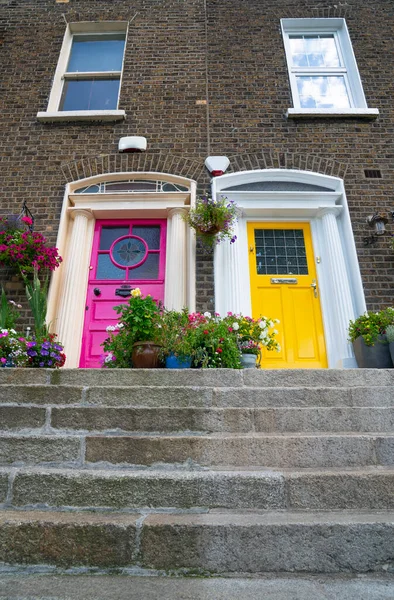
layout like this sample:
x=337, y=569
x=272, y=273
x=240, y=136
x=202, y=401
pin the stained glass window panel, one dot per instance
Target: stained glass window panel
x=128, y=251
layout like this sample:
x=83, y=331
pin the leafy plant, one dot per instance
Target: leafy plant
x=36, y=294
x=213, y=220
x=390, y=334
x=12, y=348
x=23, y=249
x=178, y=335
x=138, y=322
x=253, y=334
x=370, y=325
x=8, y=312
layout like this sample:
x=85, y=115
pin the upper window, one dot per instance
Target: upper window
x=323, y=71
x=88, y=75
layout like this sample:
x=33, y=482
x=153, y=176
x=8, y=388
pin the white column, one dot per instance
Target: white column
x=340, y=294
x=232, y=286
x=71, y=313
x=175, y=286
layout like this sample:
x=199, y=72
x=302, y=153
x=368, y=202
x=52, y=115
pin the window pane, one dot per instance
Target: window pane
x=96, y=53
x=278, y=254
x=107, y=270
x=314, y=51
x=110, y=234
x=323, y=92
x=90, y=94
x=148, y=270
x=150, y=234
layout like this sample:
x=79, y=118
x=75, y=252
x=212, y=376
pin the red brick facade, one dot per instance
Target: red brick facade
x=180, y=52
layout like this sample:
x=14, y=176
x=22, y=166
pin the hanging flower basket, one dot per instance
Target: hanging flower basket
x=213, y=220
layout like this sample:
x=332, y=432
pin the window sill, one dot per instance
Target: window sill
x=361, y=113
x=81, y=115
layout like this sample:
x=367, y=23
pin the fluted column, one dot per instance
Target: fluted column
x=71, y=313
x=175, y=287
x=230, y=276
x=340, y=294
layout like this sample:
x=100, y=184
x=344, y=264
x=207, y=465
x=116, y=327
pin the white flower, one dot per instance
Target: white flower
x=275, y=331
x=235, y=326
x=278, y=348
x=119, y=326
x=262, y=324
x=110, y=328
x=108, y=358
x=276, y=321
x=207, y=315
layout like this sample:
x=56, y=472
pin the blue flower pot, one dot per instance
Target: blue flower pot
x=175, y=362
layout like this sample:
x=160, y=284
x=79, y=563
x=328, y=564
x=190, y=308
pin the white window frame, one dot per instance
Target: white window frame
x=61, y=75
x=337, y=27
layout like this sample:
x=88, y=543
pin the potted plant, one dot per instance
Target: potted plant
x=216, y=345
x=213, y=220
x=252, y=335
x=390, y=339
x=178, y=339
x=24, y=250
x=368, y=336
x=134, y=341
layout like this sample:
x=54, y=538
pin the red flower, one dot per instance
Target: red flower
x=206, y=331
x=219, y=350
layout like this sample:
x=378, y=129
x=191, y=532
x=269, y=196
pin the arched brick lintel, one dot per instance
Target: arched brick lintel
x=286, y=160
x=162, y=162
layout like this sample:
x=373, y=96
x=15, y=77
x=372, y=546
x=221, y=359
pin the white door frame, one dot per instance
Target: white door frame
x=340, y=285
x=67, y=294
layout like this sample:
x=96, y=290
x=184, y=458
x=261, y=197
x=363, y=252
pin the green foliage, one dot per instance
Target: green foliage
x=178, y=336
x=8, y=312
x=370, y=325
x=390, y=334
x=36, y=294
x=138, y=322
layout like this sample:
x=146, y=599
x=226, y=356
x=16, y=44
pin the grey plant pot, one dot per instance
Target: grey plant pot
x=373, y=357
x=391, y=348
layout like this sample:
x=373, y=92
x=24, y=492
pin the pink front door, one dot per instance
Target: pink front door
x=125, y=255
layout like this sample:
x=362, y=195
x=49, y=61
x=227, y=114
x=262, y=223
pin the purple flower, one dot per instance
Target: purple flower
x=41, y=364
x=44, y=353
x=31, y=344
x=50, y=363
x=32, y=353
x=58, y=347
x=46, y=345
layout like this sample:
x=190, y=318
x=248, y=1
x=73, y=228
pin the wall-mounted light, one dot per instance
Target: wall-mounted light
x=378, y=223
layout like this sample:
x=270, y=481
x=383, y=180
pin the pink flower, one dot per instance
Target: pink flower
x=27, y=220
x=3, y=360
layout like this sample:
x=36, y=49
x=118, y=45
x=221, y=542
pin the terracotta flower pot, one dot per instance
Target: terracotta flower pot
x=145, y=355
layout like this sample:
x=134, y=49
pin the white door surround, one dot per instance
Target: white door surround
x=294, y=195
x=67, y=294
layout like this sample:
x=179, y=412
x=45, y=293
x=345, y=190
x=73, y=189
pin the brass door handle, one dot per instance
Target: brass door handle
x=314, y=286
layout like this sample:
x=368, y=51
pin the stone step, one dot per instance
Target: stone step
x=217, y=542
x=258, y=449
x=201, y=377
x=143, y=489
x=255, y=449
x=168, y=420
x=187, y=396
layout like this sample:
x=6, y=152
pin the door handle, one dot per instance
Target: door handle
x=314, y=286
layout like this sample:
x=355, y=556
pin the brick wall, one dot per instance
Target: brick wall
x=166, y=62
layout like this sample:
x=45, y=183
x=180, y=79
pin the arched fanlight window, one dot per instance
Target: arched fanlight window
x=131, y=186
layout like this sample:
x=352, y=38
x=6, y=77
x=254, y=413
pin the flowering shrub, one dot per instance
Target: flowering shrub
x=138, y=322
x=12, y=348
x=370, y=325
x=178, y=334
x=216, y=344
x=252, y=334
x=25, y=250
x=213, y=220
x=44, y=352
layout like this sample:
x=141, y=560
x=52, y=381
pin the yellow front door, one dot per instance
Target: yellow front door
x=284, y=286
